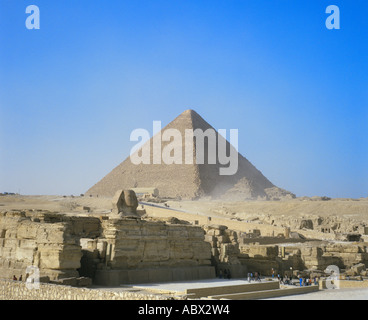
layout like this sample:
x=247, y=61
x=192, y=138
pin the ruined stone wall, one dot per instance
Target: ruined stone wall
x=43, y=240
x=318, y=226
x=65, y=247
x=281, y=258
x=145, y=244
x=348, y=254
x=224, y=249
x=319, y=257
x=260, y=258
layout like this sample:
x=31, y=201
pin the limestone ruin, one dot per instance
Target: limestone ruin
x=130, y=246
x=110, y=250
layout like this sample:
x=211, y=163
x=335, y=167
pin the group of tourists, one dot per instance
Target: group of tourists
x=286, y=279
x=303, y=282
x=224, y=274
x=254, y=277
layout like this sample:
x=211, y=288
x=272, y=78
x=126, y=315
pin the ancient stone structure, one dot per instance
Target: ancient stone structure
x=338, y=225
x=225, y=250
x=141, y=251
x=45, y=240
x=124, y=247
x=68, y=248
x=200, y=179
x=309, y=256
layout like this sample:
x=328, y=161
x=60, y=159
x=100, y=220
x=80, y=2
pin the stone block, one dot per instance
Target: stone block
x=138, y=276
x=110, y=277
x=155, y=230
x=206, y=272
x=156, y=250
x=60, y=257
x=88, y=244
x=66, y=281
x=159, y=275
x=223, y=239
x=101, y=247
x=181, y=250
x=358, y=268
x=312, y=251
x=84, y=282
x=210, y=238
x=203, y=262
x=177, y=232
x=215, y=251
x=201, y=250
x=195, y=233
x=27, y=230
x=25, y=254
x=179, y=274
x=184, y=263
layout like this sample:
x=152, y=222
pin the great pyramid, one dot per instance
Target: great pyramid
x=189, y=181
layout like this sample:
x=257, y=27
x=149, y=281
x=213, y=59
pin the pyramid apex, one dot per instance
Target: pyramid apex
x=189, y=111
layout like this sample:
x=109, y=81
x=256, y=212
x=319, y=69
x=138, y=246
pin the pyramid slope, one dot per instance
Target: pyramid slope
x=186, y=181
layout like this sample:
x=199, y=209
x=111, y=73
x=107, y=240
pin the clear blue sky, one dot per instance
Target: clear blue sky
x=72, y=92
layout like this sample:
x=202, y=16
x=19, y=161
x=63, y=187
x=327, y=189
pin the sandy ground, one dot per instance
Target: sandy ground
x=353, y=208
x=241, y=216
x=337, y=294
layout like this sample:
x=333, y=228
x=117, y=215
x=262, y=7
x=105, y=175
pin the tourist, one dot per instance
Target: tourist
x=257, y=275
x=14, y=278
x=220, y=274
x=225, y=274
x=301, y=281
x=315, y=281
x=249, y=277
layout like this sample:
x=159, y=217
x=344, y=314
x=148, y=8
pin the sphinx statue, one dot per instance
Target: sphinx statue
x=124, y=204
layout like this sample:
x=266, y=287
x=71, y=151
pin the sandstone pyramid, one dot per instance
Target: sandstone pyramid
x=189, y=181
